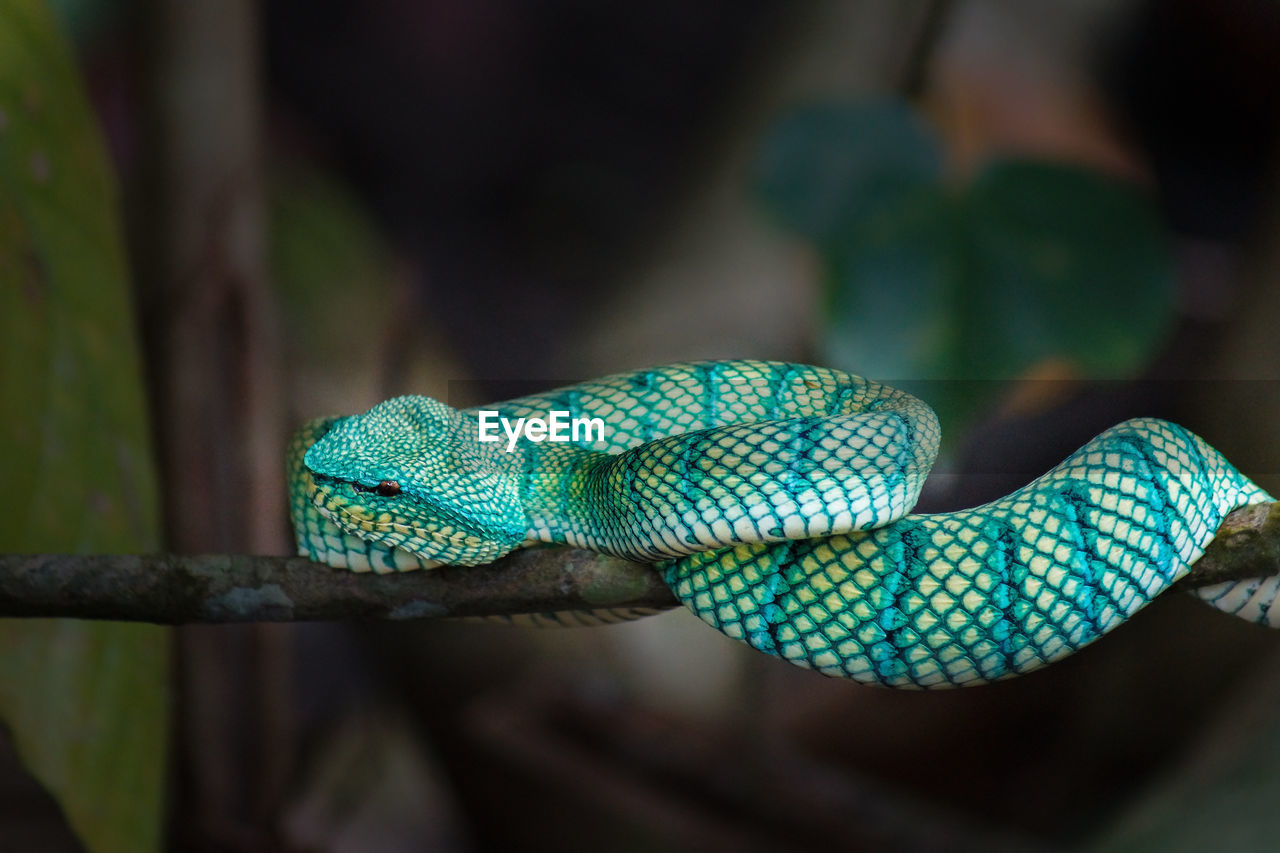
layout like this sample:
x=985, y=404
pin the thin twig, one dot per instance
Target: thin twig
x=174, y=589
x=915, y=77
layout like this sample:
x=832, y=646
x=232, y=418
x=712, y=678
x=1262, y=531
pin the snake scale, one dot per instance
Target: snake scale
x=774, y=500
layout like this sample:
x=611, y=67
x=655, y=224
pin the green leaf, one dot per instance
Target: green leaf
x=1032, y=262
x=828, y=164
x=890, y=289
x=86, y=703
x=1074, y=264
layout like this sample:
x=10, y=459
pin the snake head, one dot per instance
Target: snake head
x=410, y=473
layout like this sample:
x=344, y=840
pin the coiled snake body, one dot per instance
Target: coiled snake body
x=775, y=498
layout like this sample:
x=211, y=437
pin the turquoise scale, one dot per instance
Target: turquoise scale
x=773, y=498
x=978, y=595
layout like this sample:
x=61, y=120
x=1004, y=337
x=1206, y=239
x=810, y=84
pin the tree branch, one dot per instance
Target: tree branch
x=174, y=589
x=1247, y=545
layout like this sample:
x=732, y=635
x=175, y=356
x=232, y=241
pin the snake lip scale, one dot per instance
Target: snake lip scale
x=774, y=500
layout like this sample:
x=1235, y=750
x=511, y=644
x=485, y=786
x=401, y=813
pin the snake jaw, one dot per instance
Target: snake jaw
x=426, y=530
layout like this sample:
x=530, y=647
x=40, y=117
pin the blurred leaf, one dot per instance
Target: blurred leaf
x=1032, y=263
x=346, y=322
x=1073, y=264
x=83, y=20
x=355, y=332
x=826, y=165
x=332, y=268
x=86, y=703
x=891, y=289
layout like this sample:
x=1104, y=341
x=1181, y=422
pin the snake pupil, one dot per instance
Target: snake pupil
x=388, y=488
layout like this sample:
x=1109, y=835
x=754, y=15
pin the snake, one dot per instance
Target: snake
x=774, y=499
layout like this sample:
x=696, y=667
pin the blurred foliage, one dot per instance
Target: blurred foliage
x=335, y=276
x=86, y=703
x=328, y=259
x=1029, y=262
x=354, y=331
x=1219, y=793
x=83, y=20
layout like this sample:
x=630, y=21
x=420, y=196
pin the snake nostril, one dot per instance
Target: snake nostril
x=388, y=488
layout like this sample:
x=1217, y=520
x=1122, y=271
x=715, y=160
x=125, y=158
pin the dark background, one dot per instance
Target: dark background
x=332, y=202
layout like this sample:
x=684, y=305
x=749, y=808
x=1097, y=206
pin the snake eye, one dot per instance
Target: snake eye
x=388, y=488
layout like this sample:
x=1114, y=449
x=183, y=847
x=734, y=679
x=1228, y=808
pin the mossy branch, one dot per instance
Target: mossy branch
x=178, y=589
x=175, y=589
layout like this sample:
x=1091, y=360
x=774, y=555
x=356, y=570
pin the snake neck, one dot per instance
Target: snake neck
x=713, y=489
x=565, y=495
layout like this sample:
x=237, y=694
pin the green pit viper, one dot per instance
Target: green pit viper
x=774, y=500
